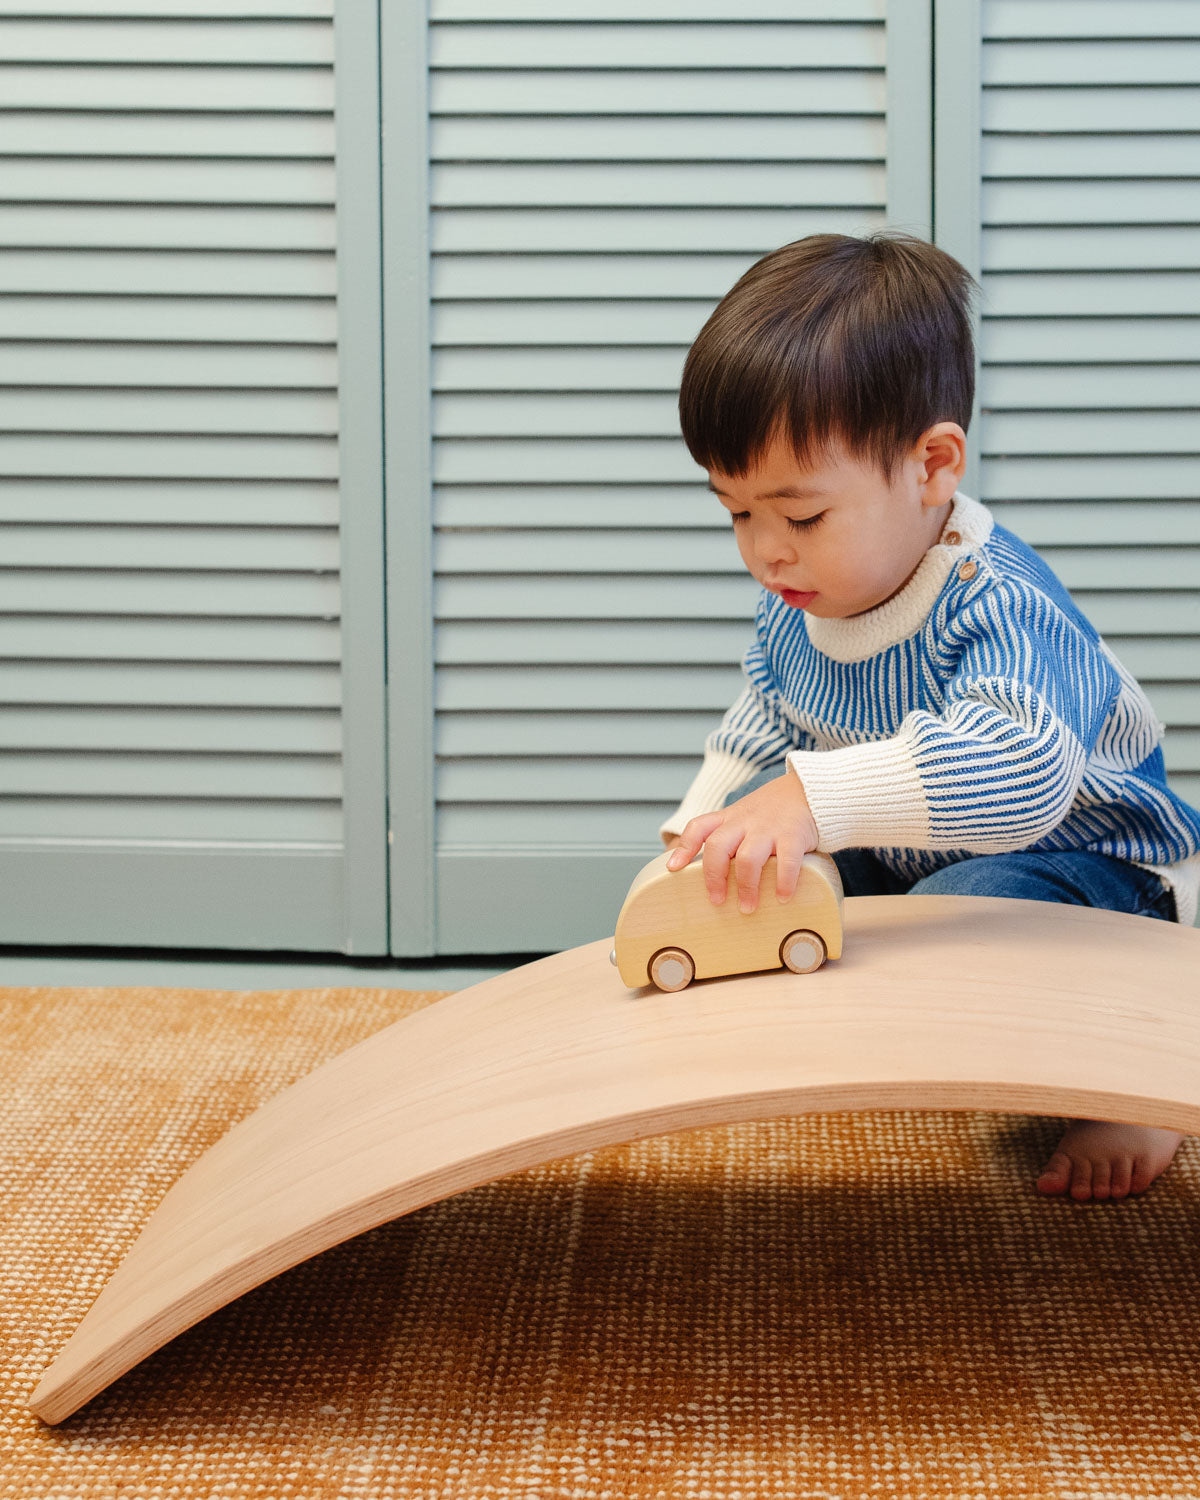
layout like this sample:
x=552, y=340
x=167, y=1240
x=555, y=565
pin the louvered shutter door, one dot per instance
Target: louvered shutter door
x=602, y=173
x=1090, y=378
x=171, y=708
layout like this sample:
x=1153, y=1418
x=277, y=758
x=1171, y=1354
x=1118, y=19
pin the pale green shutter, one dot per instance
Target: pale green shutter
x=1090, y=383
x=171, y=728
x=601, y=174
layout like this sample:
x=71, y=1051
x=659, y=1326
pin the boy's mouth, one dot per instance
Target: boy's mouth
x=796, y=601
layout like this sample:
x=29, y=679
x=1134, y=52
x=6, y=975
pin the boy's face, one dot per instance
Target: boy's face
x=845, y=539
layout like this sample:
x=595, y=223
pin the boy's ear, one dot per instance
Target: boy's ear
x=942, y=451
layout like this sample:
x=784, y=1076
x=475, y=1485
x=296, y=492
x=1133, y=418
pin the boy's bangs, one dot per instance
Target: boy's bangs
x=762, y=394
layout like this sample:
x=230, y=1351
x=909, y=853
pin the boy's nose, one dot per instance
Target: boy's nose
x=772, y=546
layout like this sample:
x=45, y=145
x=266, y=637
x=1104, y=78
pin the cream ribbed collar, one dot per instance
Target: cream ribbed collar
x=860, y=636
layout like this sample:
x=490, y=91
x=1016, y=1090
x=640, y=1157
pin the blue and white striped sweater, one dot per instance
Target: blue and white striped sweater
x=976, y=712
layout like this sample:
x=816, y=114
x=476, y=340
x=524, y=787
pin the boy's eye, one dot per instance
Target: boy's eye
x=806, y=525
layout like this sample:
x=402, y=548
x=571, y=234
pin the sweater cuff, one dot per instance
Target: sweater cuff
x=865, y=796
x=720, y=774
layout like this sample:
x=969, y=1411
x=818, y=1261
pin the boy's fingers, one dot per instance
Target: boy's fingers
x=751, y=857
x=717, y=854
x=787, y=874
x=690, y=840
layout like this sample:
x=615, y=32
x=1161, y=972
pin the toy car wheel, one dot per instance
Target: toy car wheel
x=803, y=951
x=672, y=969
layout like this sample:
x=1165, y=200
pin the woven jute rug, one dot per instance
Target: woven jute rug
x=865, y=1304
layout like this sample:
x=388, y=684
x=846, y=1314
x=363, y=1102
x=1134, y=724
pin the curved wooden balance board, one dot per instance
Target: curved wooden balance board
x=938, y=1002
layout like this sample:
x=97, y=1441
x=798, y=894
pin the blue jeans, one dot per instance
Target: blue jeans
x=1075, y=876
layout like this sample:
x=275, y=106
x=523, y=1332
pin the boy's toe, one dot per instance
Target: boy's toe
x=1056, y=1174
x=1122, y=1171
x=1101, y=1179
x=1081, y=1179
x=1142, y=1176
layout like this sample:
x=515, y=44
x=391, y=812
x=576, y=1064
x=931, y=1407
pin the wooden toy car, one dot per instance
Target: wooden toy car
x=669, y=932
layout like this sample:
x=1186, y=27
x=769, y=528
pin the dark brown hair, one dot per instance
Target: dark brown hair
x=866, y=341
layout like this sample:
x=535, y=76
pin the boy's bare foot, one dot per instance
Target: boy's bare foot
x=1105, y=1159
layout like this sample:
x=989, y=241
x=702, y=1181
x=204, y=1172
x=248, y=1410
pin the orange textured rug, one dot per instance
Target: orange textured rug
x=872, y=1304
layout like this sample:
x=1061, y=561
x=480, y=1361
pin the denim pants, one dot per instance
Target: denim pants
x=1075, y=876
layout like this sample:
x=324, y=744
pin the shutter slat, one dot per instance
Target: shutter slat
x=133, y=820
x=132, y=592
x=1169, y=247
x=557, y=459
x=682, y=184
x=100, y=638
x=1085, y=476
x=223, y=685
x=1134, y=156
x=192, y=9
x=594, y=825
x=1096, y=110
x=495, y=735
x=1084, y=340
x=632, y=91
x=646, y=229
x=170, y=319
x=1091, y=432
x=174, y=365
x=1120, y=387
x=148, y=181
x=607, y=643
x=565, y=322
x=497, y=138
x=1080, y=61
x=169, y=411
x=1063, y=202
x=290, y=777
x=491, y=278
x=248, y=549
x=130, y=272
x=568, y=688
x=279, y=42
x=194, y=502
x=134, y=89
x=663, y=48
x=1107, y=19
x=657, y=10
x=229, y=135
x=132, y=457
x=567, y=369
x=143, y=732
x=172, y=226
x=580, y=778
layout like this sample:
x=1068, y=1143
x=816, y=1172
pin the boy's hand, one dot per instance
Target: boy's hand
x=776, y=818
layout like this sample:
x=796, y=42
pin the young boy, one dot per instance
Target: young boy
x=935, y=711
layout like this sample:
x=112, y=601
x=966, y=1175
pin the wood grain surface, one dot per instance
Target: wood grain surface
x=938, y=1002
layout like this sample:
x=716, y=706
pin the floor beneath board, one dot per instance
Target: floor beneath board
x=110, y=967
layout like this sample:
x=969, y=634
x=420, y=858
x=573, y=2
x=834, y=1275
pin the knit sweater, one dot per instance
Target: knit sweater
x=977, y=711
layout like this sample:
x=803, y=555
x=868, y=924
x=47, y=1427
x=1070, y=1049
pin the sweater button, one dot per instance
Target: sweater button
x=952, y=539
x=967, y=571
